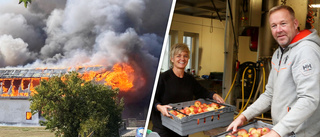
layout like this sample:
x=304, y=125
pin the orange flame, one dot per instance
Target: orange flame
x=121, y=76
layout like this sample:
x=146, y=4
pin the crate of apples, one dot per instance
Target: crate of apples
x=198, y=115
x=256, y=128
x=196, y=108
x=252, y=132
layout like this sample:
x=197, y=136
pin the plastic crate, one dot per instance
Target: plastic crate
x=255, y=124
x=199, y=122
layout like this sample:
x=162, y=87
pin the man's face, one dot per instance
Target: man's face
x=283, y=27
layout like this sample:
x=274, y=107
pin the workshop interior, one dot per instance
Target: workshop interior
x=231, y=48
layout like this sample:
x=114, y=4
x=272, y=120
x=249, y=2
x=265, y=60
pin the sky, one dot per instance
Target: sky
x=70, y=33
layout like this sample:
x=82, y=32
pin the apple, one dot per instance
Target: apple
x=265, y=130
x=180, y=116
x=186, y=108
x=173, y=112
x=204, y=104
x=210, y=108
x=191, y=108
x=214, y=105
x=250, y=129
x=245, y=135
x=205, y=109
x=242, y=132
x=255, y=131
x=259, y=130
x=200, y=110
x=230, y=135
x=196, y=110
x=187, y=111
x=197, y=103
x=255, y=135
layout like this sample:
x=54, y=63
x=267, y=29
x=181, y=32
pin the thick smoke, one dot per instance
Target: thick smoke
x=70, y=33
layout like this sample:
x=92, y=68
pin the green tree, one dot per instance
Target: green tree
x=70, y=105
x=25, y=2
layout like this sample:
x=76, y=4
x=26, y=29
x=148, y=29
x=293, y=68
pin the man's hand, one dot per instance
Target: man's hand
x=164, y=109
x=272, y=133
x=236, y=123
x=218, y=98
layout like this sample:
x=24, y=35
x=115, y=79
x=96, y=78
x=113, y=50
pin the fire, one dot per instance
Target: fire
x=121, y=76
x=18, y=86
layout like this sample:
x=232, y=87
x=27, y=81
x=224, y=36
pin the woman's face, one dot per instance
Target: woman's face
x=180, y=60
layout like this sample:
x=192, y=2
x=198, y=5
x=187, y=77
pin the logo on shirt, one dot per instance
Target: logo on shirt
x=306, y=68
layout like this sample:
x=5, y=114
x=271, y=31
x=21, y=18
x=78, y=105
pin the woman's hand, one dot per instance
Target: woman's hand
x=218, y=98
x=164, y=109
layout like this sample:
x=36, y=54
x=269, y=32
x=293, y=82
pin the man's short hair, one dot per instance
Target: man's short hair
x=288, y=8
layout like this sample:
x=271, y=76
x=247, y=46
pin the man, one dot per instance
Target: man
x=293, y=91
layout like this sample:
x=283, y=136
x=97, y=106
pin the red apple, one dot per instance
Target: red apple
x=250, y=129
x=255, y=135
x=265, y=130
x=182, y=111
x=200, y=110
x=204, y=104
x=230, y=135
x=259, y=130
x=242, y=132
x=186, y=108
x=197, y=103
x=195, y=110
x=187, y=111
x=173, y=112
x=214, y=105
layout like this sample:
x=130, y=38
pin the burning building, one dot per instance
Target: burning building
x=71, y=33
x=17, y=85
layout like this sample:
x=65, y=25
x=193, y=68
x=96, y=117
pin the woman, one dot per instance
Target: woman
x=175, y=85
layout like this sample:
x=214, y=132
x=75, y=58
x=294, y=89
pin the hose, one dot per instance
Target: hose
x=254, y=81
x=234, y=79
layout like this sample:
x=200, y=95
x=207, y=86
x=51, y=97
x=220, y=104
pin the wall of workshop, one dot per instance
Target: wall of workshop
x=244, y=53
x=211, y=44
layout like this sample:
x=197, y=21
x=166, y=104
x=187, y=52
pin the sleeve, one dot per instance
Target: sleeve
x=159, y=92
x=263, y=103
x=306, y=76
x=200, y=91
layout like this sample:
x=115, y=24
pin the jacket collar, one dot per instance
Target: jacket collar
x=301, y=35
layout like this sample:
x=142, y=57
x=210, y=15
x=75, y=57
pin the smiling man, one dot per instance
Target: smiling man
x=293, y=88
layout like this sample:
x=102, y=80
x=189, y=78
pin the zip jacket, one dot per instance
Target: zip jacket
x=293, y=89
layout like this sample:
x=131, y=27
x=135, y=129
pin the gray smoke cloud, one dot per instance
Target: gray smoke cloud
x=70, y=33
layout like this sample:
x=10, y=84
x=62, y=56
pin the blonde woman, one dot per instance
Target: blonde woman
x=175, y=85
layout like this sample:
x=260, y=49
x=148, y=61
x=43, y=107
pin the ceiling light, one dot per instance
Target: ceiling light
x=315, y=5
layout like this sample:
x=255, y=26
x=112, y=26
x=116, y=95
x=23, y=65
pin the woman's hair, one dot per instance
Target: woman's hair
x=288, y=8
x=178, y=48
